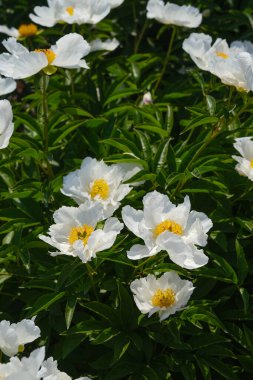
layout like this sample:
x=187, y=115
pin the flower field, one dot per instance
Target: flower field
x=126, y=169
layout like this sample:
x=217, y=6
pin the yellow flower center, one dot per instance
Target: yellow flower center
x=70, y=10
x=80, y=233
x=101, y=188
x=49, y=54
x=251, y=163
x=222, y=55
x=164, y=298
x=168, y=225
x=27, y=30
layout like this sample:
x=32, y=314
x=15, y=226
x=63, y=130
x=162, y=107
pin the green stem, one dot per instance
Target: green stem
x=173, y=35
x=208, y=140
x=45, y=122
x=91, y=272
x=138, y=41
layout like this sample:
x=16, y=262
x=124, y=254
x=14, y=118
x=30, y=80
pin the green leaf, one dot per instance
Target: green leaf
x=44, y=302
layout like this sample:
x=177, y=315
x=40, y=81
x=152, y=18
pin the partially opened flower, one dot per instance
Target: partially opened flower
x=75, y=231
x=173, y=14
x=6, y=124
x=233, y=65
x=25, y=30
x=244, y=145
x=28, y=368
x=70, y=12
x=164, y=295
x=164, y=226
x=109, y=44
x=7, y=85
x=14, y=336
x=20, y=63
x=100, y=183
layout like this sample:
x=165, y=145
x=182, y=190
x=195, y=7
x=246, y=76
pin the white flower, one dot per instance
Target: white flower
x=24, y=369
x=164, y=226
x=70, y=12
x=98, y=182
x=74, y=232
x=25, y=30
x=233, y=65
x=244, y=145
x=14, y=336
x=20, y=63
x=164, y=295
x=109, y=44
x=50, y=371
x=172, y=14
x=7, y=85
x=6, y=124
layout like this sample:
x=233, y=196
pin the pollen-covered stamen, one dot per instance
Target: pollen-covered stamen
x=100, y=188
x=80, y=233
x=251, y=163
x=70, y=10
x=168, y=225
x=164, y=298
x=49, y=54
x=222, y=55
x=27, y=30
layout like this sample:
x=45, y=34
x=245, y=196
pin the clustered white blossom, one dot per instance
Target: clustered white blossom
x=13, y=337
x=232, y=64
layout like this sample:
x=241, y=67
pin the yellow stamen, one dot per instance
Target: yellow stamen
x=101, y=188
x=168, y=225
x=251, y=163
x=49, y=54
x=222, y=55
x=27, y=30
x=21, y=348
x=70, y=10
x=80, y=233
x=164, y=298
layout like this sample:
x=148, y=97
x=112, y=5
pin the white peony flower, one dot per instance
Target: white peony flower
x=14, y=336
x=233, y=65
x=109, y=45
x=164, y=295
x=244, y=145
x=70, y=12
x=6, y=124
x=25, y=30
x=74, y=232
x=20, y=63
x=172, y=14
x=97, y=182
x=7, y=85
x=164, y=226
x=50, y=371
x=24, y=369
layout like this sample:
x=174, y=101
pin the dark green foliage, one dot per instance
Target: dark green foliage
x=87, y=314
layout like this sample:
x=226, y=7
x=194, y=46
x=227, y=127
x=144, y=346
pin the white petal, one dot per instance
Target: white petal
x=132, y=219
x=138, y=252
x=69, y=50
